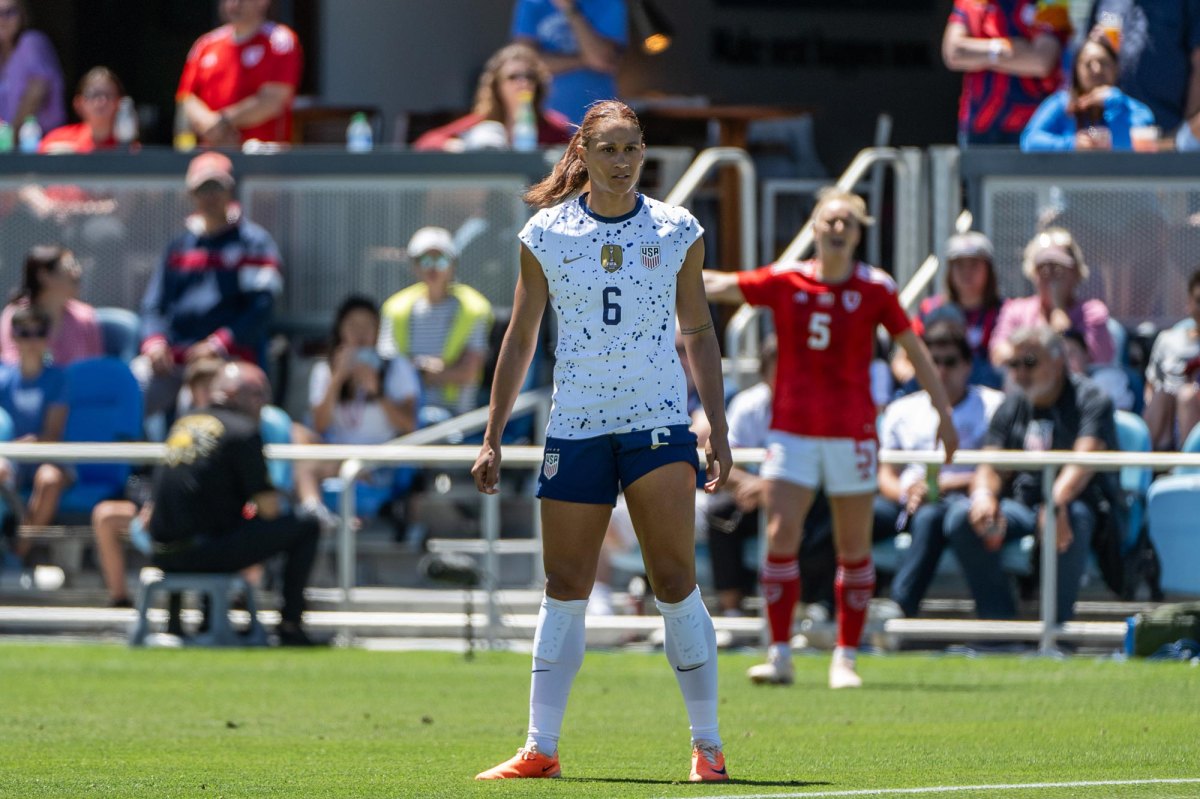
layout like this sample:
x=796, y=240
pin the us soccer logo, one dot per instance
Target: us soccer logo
x=650, y=256
x=550, y=467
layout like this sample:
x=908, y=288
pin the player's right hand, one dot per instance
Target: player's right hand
x=486, y=470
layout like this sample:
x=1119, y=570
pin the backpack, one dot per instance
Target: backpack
x=1125, y=570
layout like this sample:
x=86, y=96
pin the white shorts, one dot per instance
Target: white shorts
x=840, y=465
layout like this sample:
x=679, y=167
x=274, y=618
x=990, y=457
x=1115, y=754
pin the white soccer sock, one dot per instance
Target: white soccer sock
x=688, y=627
x=558, y=647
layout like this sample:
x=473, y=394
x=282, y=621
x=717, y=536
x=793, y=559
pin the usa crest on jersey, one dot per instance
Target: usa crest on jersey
x=550, y=467
x=651, y=256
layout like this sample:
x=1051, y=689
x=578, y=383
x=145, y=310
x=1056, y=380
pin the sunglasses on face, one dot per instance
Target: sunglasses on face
x=1026, y=362
x=518, y=76
x=97, y=95
x=431, y=261
x=1053, y=267
x=29, y=332
x=948, y=362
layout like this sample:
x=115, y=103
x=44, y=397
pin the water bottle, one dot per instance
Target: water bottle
x=359, y=136
x=524, y=132
x=30, y=135
x=125, y=126
x=185, y=138
x=6, y=137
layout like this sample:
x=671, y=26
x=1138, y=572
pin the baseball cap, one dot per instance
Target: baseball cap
x=432, y=238
x=972, y=244
x=207, y=167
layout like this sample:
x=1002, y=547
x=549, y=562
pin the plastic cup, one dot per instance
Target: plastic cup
x=1110, y=26
x=1144, y=138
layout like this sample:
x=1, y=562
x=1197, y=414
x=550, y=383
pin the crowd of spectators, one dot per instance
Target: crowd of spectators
x=417, y=357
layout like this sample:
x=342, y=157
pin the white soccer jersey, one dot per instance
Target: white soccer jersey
x=612, y=285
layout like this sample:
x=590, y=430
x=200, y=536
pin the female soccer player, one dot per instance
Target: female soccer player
x=618, y=267
x=823, y=418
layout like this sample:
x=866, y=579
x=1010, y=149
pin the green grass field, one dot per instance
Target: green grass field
x=104, y=721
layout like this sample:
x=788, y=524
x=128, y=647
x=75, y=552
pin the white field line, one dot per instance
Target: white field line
x=950, y=789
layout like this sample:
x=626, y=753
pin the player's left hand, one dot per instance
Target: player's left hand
x=719, y=460
x=948, y=435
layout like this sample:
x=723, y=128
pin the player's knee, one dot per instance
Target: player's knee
x=564, y=585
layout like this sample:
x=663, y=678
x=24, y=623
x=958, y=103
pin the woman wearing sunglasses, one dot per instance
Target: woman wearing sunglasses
x=1054, y=264
x=509, y=73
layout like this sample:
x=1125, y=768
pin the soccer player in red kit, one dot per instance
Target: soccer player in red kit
x=239, y=80
x=823, y=418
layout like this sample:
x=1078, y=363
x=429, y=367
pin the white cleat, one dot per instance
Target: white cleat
x=777, y=670
x=842, y=673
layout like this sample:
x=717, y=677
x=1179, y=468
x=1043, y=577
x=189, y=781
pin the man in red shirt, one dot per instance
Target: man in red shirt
x=240, y=79
x=823, y=418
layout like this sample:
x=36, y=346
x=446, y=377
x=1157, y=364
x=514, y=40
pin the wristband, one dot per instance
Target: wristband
x=995, y=50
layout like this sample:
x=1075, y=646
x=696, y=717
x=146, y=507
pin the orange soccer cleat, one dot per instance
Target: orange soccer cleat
x=527, y=763
x=708, y=763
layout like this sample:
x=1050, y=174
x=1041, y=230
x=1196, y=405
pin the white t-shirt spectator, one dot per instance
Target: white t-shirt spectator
x=356, y=420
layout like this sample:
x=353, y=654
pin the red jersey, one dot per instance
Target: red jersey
x=73, y=139
x=826, y=335
x=221, y=71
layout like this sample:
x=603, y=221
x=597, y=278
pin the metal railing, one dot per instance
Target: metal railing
x=526, y=457
x=708, y=160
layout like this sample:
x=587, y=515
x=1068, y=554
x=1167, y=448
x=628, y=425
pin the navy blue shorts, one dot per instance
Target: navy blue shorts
x=593, y=470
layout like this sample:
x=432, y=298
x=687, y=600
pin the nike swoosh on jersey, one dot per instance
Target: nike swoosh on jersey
x=567, y=260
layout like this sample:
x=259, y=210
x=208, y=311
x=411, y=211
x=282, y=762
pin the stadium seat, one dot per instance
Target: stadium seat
x=1133, y=436
x=119, y=332
x=1120, y=338
x=1191, y=445
x=275, y=426
x=1173, y=505
x=104, y=405
x=218, y=588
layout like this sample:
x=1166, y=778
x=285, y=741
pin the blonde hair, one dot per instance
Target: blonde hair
x=858, y=206
x=569, y=175
x=487, y=94
x=1053, y=237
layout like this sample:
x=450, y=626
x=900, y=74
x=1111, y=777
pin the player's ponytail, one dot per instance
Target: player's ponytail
x=569, y=176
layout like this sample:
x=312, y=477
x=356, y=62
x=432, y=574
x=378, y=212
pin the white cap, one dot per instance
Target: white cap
x=432, y=238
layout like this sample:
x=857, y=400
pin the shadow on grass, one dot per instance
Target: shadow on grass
x=733, y=781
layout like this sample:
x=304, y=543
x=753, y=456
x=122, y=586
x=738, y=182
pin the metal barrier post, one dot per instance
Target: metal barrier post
x=347, y=536
x=1048, y=645
x=490, y=521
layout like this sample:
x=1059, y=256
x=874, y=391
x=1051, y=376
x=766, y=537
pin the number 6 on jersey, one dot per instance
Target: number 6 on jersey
x=612, y=311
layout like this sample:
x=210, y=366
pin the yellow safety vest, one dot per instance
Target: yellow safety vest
x=473, y=308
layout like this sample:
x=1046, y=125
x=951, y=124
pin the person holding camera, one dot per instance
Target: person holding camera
x=440, y=325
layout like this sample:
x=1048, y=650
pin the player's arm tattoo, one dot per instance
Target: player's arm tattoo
x=691, y=331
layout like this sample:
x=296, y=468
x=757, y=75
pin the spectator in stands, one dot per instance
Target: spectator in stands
x=1172, y=391
x=214, y=291
x=1093, y=114
x=356, y=397
x=908, y=498
x=96, y=101
x=1054, y=263
x=1010, y=54
x=239, y=80
x=51, y=282
x=732, y=513
x=214, y=476
x=1111, y=379
x=440, y=325
x=1159, y=48
x=971, y=289
x=581, y=42
x=31, y=81
x=510, y=71
x=1051, y=410
x=35, y=396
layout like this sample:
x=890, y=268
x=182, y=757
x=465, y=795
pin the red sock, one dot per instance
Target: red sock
x=852, y=591
x=781, y=589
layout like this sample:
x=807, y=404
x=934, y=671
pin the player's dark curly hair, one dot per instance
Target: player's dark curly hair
x=570, y=173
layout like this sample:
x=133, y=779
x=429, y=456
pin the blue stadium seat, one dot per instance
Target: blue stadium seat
x=104, y=404
x=275, y=426
x=119, y=332
x=1134, y=436
x=1191, y=444
x=1120, y=337
x=1173, y=506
